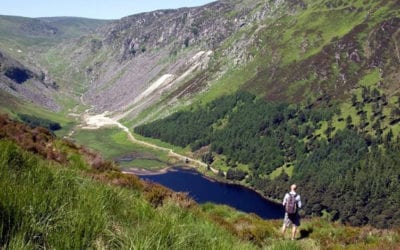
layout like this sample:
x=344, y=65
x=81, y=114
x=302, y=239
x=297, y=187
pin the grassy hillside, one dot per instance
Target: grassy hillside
x=57, y=207
x=312, y=48
x=15, y=107
x=74, y=201
x=300, y=51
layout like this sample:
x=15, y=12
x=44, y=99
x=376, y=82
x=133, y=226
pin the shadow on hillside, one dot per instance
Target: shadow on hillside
x=305, y=233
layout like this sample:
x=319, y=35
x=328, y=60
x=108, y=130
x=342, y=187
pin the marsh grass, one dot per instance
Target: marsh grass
x=114, y=143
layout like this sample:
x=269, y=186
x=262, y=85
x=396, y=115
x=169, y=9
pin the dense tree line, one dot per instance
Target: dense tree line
x=246, y=129
x=355, y=183
x=350, y=173
x=189, y=127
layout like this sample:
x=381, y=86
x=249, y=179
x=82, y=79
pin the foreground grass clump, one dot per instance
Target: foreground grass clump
x=44, y=205
x=314, y=233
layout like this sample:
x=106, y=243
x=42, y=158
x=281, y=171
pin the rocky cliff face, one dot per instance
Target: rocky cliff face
x=205, y=27
x=167, y=54
x=155, y=53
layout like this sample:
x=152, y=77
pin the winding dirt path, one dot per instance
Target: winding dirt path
x=98, y=121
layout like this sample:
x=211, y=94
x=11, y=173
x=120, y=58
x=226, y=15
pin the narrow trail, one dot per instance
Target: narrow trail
x=98, y=121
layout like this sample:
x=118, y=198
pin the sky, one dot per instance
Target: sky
x=98, y=9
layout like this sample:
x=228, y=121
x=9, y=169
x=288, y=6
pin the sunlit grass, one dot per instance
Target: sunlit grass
x=286, y=169
x=371, y=79
x=46, y=205
x=114, y=143
x=150, y=164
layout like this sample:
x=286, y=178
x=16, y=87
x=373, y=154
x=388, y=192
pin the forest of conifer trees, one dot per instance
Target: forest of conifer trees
x=352, y=172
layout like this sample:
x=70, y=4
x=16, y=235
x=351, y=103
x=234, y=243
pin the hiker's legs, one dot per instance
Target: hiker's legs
x=294, y=231
x=283, y=229
x=286, y=223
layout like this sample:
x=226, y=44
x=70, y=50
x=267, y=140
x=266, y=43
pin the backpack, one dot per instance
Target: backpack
x=291, y=204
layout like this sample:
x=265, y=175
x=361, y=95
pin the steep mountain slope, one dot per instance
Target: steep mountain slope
x=60, y=195
x=139, y=60
x=158, y=61
x=283, y=50
x=329, y=48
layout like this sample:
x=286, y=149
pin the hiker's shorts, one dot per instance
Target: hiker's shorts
x=291, y=219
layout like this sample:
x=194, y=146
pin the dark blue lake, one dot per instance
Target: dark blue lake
x=204, y=190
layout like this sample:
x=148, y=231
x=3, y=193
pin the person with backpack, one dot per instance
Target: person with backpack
x=292, y=204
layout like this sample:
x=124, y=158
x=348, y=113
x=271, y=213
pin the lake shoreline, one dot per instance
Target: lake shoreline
x=241, y=185
x=203, y=189
x=142, y=171
x=145, y=172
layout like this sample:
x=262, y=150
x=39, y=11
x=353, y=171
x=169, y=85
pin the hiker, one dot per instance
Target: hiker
x=292, y=203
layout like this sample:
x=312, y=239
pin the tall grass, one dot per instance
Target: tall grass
x=46, y=205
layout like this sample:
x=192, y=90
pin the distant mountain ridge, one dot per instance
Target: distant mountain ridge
x=47, y=27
